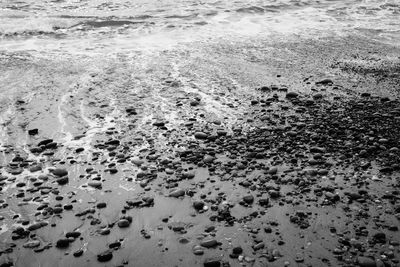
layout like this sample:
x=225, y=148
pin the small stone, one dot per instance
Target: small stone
x=379, y=237
x=62, y=180
x=45, y=142
x=104, y=231
x=35, y=168
x=274, y=194
x=178, y=192
x=324, y=82
x=237, y=250
x=248, y=199
x=33, y=131
x=272, y=170
x=317, y=149
x=62, y=243
x=32, y=244
x=105, y=256
x=194, y=103
x=299, y=258
x=36, y=226
x=95, y=184
x=264, y=202
x=78, y=253
x=208, y=159
x=101, y=205
x=210, y=243
x=159, y=123
x=212, y=263
x=198, y=250
x=74, y=234
x=198, y=205
x=123, y=223
x=137, y=161
x=115, y=245
x=317, y=96
x=200, y=135
x=59, y=172
x=259, y=246
x=366, y=262
x=365, y=95
x=292, y=95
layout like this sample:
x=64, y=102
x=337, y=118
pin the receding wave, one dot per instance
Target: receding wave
x=31, y=33
x=191, y=16
x=251, y=9
x=106, y=23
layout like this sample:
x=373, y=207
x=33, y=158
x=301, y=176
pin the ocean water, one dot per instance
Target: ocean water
x=100, y=26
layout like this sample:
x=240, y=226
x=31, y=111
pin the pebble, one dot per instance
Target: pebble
x=62, y=243
x=366, y=262
x=209, y=243
x=259, y=246
x=59, y=172
x=212, y=263
x=178, y=192
x=74, y=234
x=198, y=250
x=78, y=253
x=324, y=82
x=200, y=135
x=123, y=223
x=95, y=184
x=248, y=199
x=33, y=131
x=32, y=244
x=292, y=95
x=105, y=256
x=198, y=205
x=62, y=180
x=36, y=226
x=237, y=250
x=101, y=205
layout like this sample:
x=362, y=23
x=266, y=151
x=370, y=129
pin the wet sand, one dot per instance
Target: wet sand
x=247, y=154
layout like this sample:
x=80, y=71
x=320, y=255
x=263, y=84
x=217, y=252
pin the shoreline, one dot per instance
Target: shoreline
x=206, y=157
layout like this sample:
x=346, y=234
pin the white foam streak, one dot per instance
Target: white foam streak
x=95, y=126
x=5, y=118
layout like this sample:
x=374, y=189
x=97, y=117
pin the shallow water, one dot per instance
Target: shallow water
x=124, y=26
